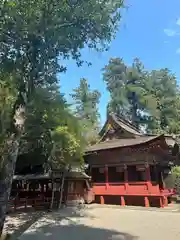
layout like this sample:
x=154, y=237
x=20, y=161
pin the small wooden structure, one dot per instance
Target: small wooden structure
x=128, y=167
x=35, y=190
x=78, y=185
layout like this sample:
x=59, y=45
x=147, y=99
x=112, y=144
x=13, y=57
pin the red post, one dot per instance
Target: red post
x=101, y=199
x=161, y=202
x=123, y=203
x=146, y=201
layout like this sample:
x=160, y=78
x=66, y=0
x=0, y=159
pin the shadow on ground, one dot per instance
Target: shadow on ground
x=76, y=232
x=56, y=226
x=19, y=222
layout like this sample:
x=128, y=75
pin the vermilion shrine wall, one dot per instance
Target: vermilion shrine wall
x=150, y=189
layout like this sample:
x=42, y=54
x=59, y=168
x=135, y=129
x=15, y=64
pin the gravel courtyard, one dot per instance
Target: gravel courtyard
x=106, y=223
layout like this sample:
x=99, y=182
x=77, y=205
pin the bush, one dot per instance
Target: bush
x=173, y=180
x=176, y=178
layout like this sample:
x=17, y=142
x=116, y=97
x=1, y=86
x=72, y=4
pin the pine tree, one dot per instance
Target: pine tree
x=146, y=98
x=128, y=90
x=86, y=105
x=165, y=91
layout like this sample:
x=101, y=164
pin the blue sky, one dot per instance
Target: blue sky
x=149, y=29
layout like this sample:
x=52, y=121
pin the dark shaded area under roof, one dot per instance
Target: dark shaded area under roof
x=71, y=175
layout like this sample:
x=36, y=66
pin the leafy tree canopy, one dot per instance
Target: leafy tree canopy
x=51, y=129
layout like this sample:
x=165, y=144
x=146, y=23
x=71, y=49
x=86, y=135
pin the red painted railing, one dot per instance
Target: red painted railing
x=130, y=188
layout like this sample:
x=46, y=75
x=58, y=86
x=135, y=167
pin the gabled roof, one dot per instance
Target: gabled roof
x=125, y=124
x=134, y=138
x=120, y=143
x=129, y=127
x=122, y=123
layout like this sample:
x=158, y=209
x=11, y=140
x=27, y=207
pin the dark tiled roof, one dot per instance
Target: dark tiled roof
x=77, y=175
x=74, y=175
x=31, y=177
x=120, y=143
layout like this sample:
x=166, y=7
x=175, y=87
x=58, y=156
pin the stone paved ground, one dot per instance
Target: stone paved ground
x=106, y=223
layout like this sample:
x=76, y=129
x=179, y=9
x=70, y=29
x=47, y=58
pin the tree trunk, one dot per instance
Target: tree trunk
x=52, y=197
x=134, y=116
x=61, y=191
x=9, y=158
x=49, y=162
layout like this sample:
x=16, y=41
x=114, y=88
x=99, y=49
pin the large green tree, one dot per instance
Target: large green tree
x=86, y=109
x=35, y=35
x=146, y=98
x=49, y=122
x=164, y=90
x=128, y=90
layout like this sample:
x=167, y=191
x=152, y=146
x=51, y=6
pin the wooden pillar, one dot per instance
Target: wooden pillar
x=34, y=187
x=102, y=199
x=162, y=179
x=126, y=178
x=25, y=204
x=148, y=177
x=156, y=173
x=165, y=201
x=106, y=175
x=42, y=187
x=161, y=202
x=47, y=187
x=123, y=203
x=15, y=203
x=148, y=174
x=146, y=202
x=89, y=172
